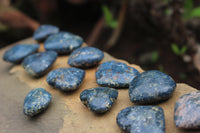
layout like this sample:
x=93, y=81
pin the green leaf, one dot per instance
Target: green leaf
x=161, y=68
x=195, y=12
x=109, y=17
x=188, y=5
x=154, y=56
x=168, y=12
x=175, y=49
x=183, y=50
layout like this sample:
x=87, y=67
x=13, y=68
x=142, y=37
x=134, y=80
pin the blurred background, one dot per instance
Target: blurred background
x=155, y=34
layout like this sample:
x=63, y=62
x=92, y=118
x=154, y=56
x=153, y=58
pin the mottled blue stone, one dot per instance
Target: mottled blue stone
x=142, y=119
x=151, y=87
x=36, y=101
x=115, y=74
x=38, y=64
x=17, y=53
x=44, y=31
x=100, y=99
x=187, y=111
x=66, y=79
x=85, y=57
x=63, y=42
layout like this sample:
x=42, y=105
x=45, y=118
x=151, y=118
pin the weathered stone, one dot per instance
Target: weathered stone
x=142, y=119
x=44, y=31
x=150, y=87
x=17, y=53
x=66, y=79
x=186, y=112
x=36, y=101
x=115, y=74
x=38, y=64
x=63, y=42
x=100, y=99
x=85, y=57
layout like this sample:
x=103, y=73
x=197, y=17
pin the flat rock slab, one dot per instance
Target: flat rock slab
x=66, y=113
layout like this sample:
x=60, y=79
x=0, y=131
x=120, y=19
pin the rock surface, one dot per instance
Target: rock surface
x=38, y=64
x=100, y=99
x=36, y=101
x=66, y=79
x=186, y=112
x=63, y=42
x=17, y=53
x=44, y=31
x=151, y=87
x=115, y=74
x=142, y=119
x=85, y=57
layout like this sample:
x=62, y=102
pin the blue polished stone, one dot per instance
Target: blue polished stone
x=66, y=79
x=187, y=111
x=115, y=74
x=85, y=57
x=63, y=42
x=44, y=31
x=38, y=64
x=36, y=101
x=17, y=53
x=151, y=87
x=100, y=99
x=142, y=119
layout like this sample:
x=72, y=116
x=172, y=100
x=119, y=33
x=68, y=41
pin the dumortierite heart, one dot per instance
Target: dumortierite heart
x=36, y=101
x=66, y=79
x=44, y=31
x=142, y=119
x=17, y=53
x=187, y=111
x=100, y=99
x=63, y=42
x=85, y=57
x=38, y=64
x=150, y=87
x=115, y=74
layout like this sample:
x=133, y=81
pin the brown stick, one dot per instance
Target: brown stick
x=116, y=33
x=94, y=35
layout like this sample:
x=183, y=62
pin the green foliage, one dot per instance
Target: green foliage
x=161, y=68
x=154, y=56
x=177, y=50
x=190, y=11
x=109, y=17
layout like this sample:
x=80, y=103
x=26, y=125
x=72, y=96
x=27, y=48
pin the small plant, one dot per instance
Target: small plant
x=178, y=51
x=190, y=11
x=110, y=21
x=154, y=56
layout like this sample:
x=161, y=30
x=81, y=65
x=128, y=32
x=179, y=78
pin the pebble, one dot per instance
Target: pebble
x=63, y=42
x=36, y=101
x=44, y=31
x=187, y=111
x=115, y=74
x=38, y=64
x=17, y=53
x=151, y=87
x=85, y=57
x=142, y=119
x=66, y=79
x=100, y=99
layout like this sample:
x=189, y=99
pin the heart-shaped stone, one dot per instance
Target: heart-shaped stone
x=17, y=53
x=100, y=99
x=66, y=79
x=63, y=42
x=38, y=64
x=44, y=31
x=142, y=119
x=187, y=111
x=36, y=101
x=115, y=74
x=85, y=57
x=151, y=87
